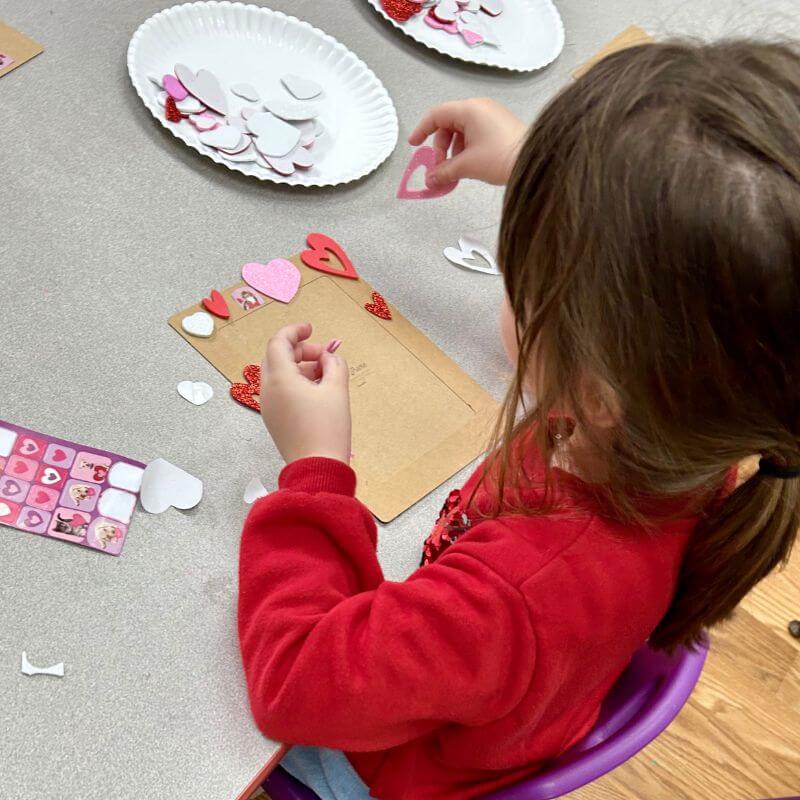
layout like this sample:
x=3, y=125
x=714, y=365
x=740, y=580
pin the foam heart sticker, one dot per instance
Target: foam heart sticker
x=248, y=393
x=196, y=392
x=165, y=485
x=446, y=10
x=427, y=158
x=204, y=121
x=216, y=305
x=289, y=111
x=318, y=257
x=198, y=324
x=279, y=279
x=246, y=91
x=447, y=27
x=464, y=256
x=189, y=105
x=204, y=86
x=174, y=87
x=492, y=7
x=274, y=137
x=226, y=136
x=379, y=307
x=301, y=88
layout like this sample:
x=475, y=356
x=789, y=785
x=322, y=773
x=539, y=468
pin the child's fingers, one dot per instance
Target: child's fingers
x=451, y=170
x=448, y=116
x=443, y=139
x=282, y=346
x=312, y=370
x=308, y=351
x=334, y=370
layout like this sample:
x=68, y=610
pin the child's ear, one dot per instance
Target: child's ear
x=600, y=403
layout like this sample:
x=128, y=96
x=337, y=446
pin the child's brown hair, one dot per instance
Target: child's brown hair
x=651, y=240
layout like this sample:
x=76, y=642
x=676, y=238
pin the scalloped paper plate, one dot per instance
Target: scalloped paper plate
x=247, y=44
x=530, y=32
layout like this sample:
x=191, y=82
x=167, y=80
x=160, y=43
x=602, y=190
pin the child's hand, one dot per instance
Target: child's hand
x=305, y=397
x=485, y=138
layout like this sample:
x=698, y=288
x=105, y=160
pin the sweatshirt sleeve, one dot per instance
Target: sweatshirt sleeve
x=336, y=656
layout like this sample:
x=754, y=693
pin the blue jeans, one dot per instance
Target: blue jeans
x=327, y=772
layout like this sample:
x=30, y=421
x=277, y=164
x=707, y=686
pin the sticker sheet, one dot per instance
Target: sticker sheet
x=65, y=490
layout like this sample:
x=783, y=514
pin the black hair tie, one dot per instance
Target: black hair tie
x=784, y=472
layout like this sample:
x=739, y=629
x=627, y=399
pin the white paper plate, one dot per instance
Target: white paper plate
x=245, y=43
x=531, y=34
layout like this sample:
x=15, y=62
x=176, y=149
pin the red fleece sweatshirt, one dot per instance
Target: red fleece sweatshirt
x=468, y=675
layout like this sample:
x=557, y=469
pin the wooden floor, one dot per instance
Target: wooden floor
x=739, y=736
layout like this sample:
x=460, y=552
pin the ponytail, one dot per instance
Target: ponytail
x=736, y=544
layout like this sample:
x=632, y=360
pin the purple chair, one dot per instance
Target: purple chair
x=642, y=703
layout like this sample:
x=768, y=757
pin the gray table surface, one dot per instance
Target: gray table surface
x=107, y=226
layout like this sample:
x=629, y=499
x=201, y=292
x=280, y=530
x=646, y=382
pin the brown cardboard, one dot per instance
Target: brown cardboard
x=417, y=417
x=630, y=37
x=18, y=46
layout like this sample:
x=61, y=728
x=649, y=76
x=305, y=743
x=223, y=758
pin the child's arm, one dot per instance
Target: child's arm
x=482, y=136
x=337, y=656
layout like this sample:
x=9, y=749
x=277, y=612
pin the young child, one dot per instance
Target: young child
x=650, y=247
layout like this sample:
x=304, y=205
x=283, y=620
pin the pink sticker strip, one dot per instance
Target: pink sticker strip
x=67, y=484
x=428, y=158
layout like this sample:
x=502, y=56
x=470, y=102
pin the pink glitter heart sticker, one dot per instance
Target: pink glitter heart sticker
x=279, y=279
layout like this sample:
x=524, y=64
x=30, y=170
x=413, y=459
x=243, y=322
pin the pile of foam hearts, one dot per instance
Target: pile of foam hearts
x=465, y=18
x=276, y=133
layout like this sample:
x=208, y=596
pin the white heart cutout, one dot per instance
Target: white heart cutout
x=464, y=256
x=301, y=88
x=274, y=137
x=196, y=392
x=116, y=504
x=165, y=485
x=126, y=476
x=246, y=91
x=226, y=137
x=291, y=111
x=204, y=86
x=254, y=490
x=198, y=324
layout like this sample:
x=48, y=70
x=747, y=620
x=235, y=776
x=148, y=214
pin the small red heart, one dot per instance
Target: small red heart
x=41, y=497
x=20, y=467
x=248, y=393
x=379, y=307
x=318, y=257
x=401, y=10
x=216, y=305
x=60, y=455
x=171, y=110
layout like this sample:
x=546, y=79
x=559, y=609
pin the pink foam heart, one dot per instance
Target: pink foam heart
x=471, y=37
x=428, y=158
x=449, y=27
x=279, y=279
x=174, y=88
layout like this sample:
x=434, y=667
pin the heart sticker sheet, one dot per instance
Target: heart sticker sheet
x=65, y=490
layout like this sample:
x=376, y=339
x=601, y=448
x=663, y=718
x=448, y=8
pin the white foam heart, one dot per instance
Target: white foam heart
x=196, y=392
x=117, y=505
x=274, y=137
x=290, y=111
x=254, y=490
x=477, y=23
x=301, y=88
x=226, y=137
x=283, y=165
x=306, y=128
x=464, y=256
x=189, y=104
x=447, y=10
x=204, y=86
x=165, y=485
x=493, y=7
x=248, y=111
x=243, y=156
x=246, y=91
x=198, y=324
x=126, y=476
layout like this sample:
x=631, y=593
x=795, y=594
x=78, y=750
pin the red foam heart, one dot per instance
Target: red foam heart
x=317, y=257
x=216, y=305
x=248, y=393
x=379, y=307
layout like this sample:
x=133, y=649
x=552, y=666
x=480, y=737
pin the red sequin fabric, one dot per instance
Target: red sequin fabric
x=452, y=522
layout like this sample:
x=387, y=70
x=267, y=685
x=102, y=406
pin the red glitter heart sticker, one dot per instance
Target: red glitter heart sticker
x=248, y=393
x=401, y=10
x=171, y=110
x=378, y=307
